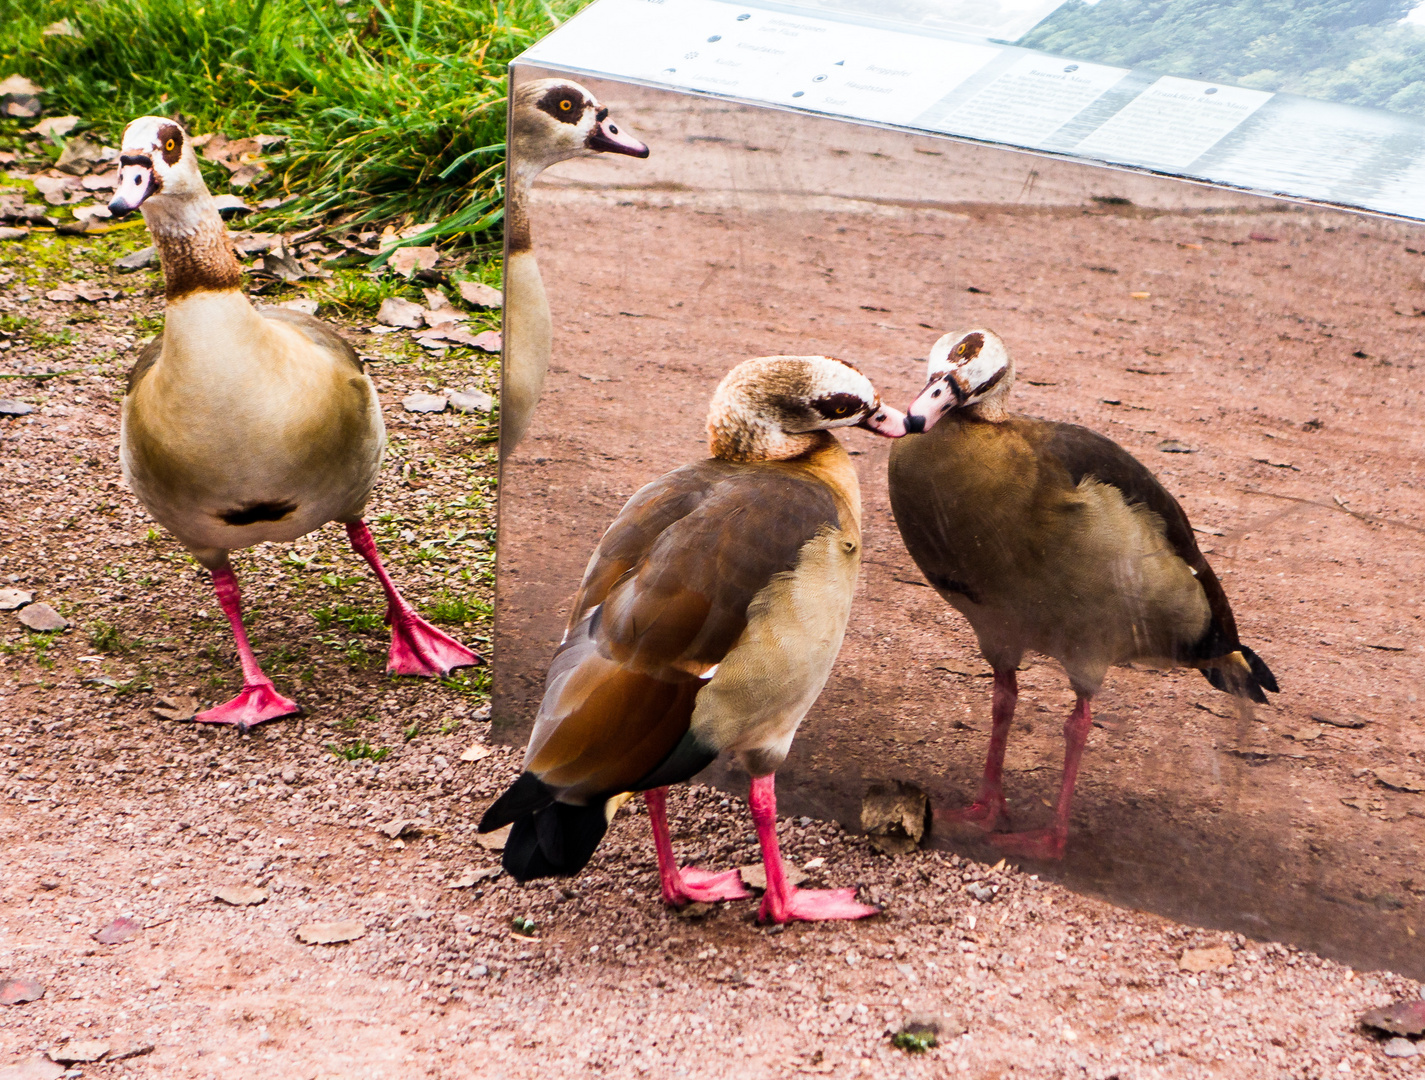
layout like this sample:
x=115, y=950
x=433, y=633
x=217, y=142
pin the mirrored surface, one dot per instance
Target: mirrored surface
x=1262, y=358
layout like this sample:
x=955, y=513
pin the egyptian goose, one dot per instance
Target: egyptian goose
x=241, y=426
x=708, y=620
x=551, y=120
x=1051, y=538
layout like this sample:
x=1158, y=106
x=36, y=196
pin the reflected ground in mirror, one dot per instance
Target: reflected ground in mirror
x=1278, y=345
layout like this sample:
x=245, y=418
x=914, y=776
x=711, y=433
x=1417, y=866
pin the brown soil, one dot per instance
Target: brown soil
x=108, y=811
x=1279, y=343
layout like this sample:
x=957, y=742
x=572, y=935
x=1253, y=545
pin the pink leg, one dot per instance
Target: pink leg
x=989, y=810
x=1050, y=843
x=417, y=647
x=690, y=884
x=782, y=902
x=258, y=700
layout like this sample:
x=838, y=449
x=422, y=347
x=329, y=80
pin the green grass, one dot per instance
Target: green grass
x=459, y=610
x=348, y=615
x=359, y=749
x=106, y=638
x=390, y=108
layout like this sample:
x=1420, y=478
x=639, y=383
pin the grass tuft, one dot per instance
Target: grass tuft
x=357, y=750
x=390, y=108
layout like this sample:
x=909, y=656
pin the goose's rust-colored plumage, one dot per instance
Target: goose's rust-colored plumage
x=551, y=120
x=707, y=621
x=240, y=426
x=1050, y=538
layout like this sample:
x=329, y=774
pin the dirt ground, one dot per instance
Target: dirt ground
x=1278, y=345
x=108, y=810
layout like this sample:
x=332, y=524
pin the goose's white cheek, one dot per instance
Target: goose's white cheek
x=979, y=371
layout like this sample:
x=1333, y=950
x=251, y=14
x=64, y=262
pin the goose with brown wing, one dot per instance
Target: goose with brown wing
x=1050, y=538
x=241, y=426
x=707, y=622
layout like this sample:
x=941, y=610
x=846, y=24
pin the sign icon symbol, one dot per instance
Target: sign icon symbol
x=715, y=37
x=743, y=18
x=690, y=56
x=819, y=78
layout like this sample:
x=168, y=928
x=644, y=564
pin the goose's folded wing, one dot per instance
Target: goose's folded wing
x=1082, y=453
x=148, y=356
x=317, y=332
x=683, y=563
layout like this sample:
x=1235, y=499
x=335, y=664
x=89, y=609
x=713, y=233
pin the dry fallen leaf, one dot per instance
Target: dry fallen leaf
x=10, y=599
x=893, y=816
x=240, y=895
x=400, y=827
x=476, y=752
x=1218, y=956
x=397, y=312
x=1400, y=1018
x=179, y=708
x=407, y=260
x=474, y=877
x=330, y=933
x=18, y=991
x=42, y=617
x=117, y=932
x=493, y=841
x=79, y=1053
x=478, y=295
x=35, y=1068
x=1399, y=780
x=754, y=876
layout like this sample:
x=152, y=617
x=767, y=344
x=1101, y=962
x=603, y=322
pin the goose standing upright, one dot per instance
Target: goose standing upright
x=241, y=426
x=708, y=620
x=1051, y=538
x=551, y=120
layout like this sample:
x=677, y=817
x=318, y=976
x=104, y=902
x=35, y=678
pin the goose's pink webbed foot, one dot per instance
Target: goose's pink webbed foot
x=258, y=700
x=417, y=647
x=688, y=885
x=784, y=902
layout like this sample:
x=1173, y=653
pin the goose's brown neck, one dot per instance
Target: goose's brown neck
x=732, y=438
x=517, y=235
x=192, y=245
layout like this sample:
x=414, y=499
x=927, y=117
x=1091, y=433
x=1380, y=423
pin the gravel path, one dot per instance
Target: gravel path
x=112, y=811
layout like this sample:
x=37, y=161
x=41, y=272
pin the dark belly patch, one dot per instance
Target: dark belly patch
x=258, y=511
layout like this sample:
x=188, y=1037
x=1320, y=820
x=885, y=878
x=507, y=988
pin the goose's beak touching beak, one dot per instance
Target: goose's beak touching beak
x=940, y=395
x=892, y=423
x=608, y=139
x=136, y=183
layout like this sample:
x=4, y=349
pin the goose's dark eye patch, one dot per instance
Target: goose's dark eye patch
x=563, y=104
x=838, y=406
x=170, y=138
x=970, y=346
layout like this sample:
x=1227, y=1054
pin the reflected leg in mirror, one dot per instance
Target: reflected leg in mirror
x=258, y=701
x=1050, y=843
x=417, y=647
x=688, y=885
x=989, y=809
x=784, y=902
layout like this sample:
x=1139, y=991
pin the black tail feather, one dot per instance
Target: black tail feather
x=1260, y=671
x=556, y=841
x=548, y=838
x=527, y=795
x=1234, y=681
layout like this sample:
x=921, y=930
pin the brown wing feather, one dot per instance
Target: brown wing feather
x=318, y=333
x=1086, y=453
x=148, y=356
x=664, y=598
